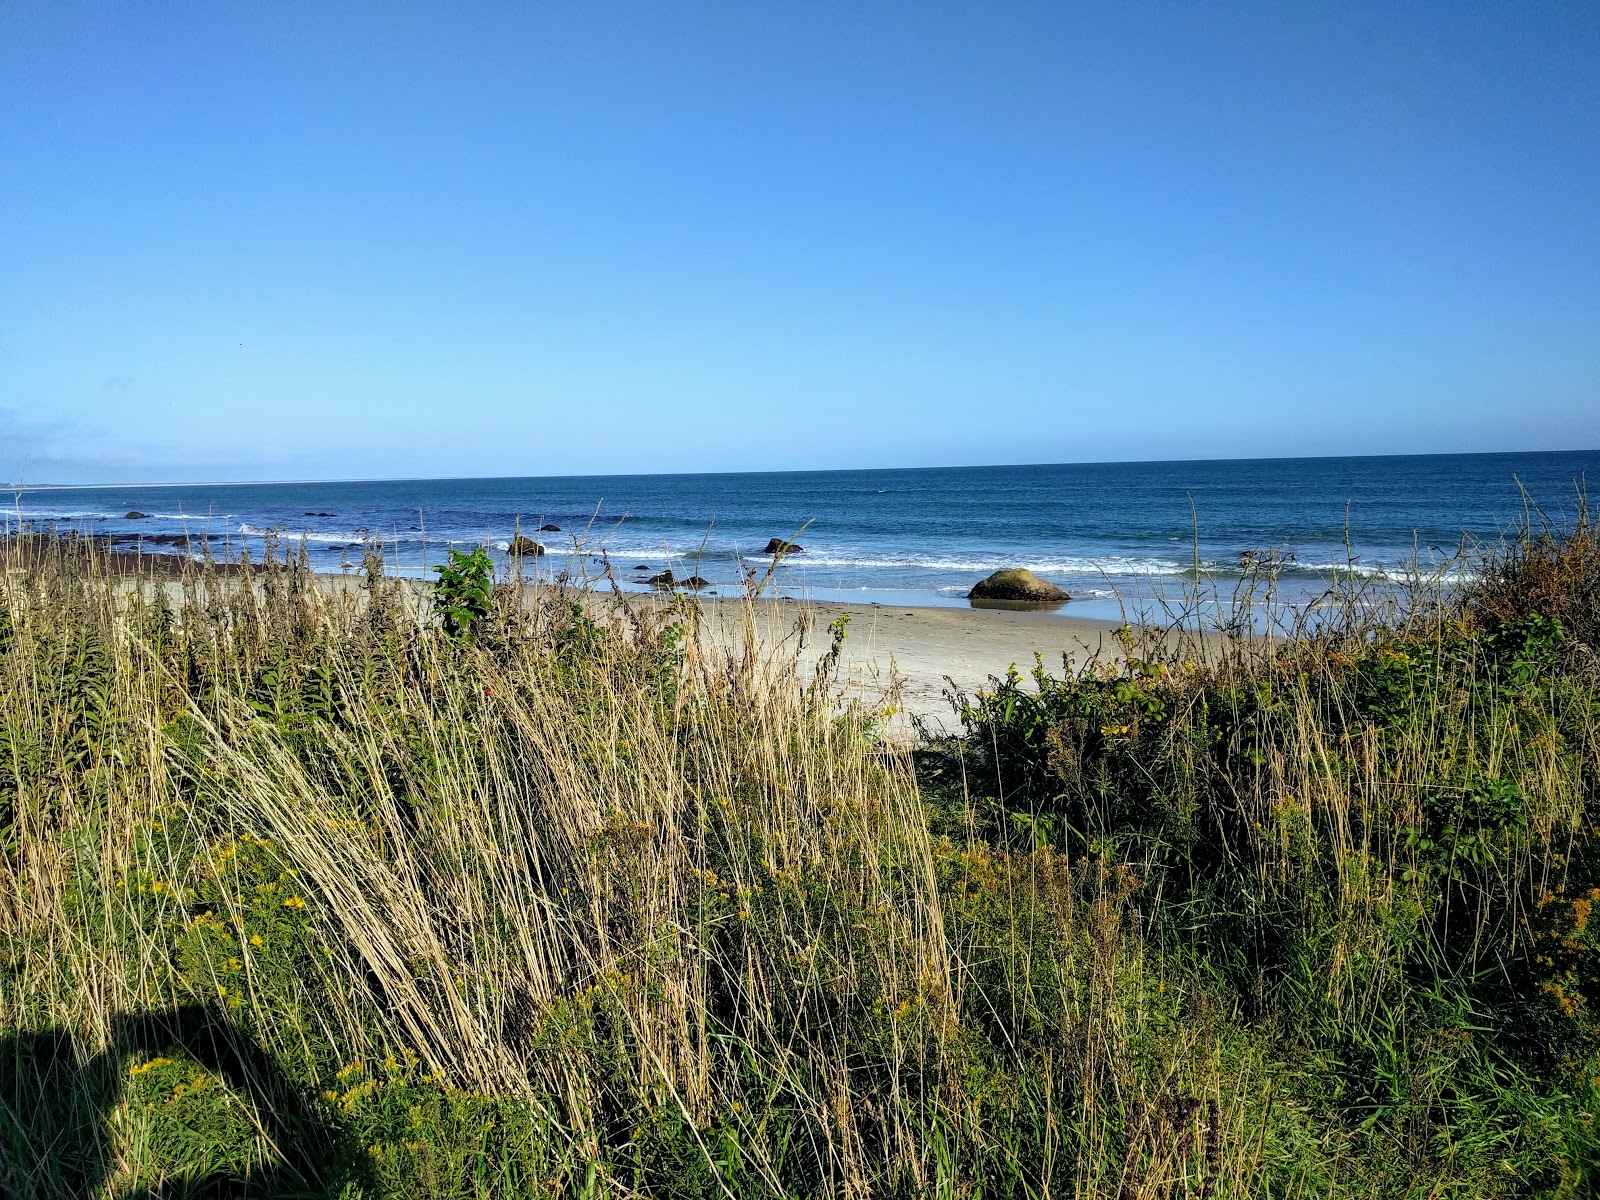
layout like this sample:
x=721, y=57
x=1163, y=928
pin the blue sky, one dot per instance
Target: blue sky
x=335, y=240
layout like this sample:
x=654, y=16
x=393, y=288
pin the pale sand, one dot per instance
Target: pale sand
x=915, y=653
x=919, y=646
x=918, y=652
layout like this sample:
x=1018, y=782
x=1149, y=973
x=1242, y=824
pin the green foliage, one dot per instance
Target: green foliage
x=408, y=1134
x=186, y=1121
x=1380, y=846
x=464, y=592
x=295, y=895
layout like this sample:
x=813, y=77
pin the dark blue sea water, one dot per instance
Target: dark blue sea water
x=894, y=536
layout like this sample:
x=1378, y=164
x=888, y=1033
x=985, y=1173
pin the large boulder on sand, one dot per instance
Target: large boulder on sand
x=1018, y=583
x=664, y=580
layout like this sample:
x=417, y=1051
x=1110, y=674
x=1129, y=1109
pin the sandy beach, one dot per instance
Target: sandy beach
x=924, y=649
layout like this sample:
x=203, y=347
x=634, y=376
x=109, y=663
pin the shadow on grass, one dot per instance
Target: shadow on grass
x=54, y=1110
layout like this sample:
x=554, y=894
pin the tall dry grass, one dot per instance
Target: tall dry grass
x=590, y=907
x=1376, y=834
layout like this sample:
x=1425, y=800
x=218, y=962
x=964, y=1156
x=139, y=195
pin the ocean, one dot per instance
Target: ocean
x=1111, y=534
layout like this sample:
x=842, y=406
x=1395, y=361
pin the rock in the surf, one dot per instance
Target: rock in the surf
x=1018, y=583
x=779, y=546
x=522, y=547
x=135, y=516
x=694, y=582
x=549, y=529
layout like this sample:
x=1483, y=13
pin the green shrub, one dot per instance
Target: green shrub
x=463, y=593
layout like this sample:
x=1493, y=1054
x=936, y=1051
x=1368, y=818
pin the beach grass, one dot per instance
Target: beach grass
x=306, y=891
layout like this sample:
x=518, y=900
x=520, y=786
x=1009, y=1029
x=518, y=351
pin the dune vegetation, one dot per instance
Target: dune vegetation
x=371, y=892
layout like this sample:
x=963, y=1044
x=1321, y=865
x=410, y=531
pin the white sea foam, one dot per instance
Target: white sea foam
x=191, y=521
x=59, y=514
x=89, y=514
x=810, y=566
x=1114, y=564
x=842, y=558
x=338, y=537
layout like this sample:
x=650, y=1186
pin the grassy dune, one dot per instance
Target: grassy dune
x=308, y=892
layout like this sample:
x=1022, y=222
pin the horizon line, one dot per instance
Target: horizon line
x=20, y=487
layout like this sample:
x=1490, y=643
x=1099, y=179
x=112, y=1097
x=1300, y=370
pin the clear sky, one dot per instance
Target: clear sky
x=247, y=240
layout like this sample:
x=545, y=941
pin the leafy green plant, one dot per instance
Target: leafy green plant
x=464, y=592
